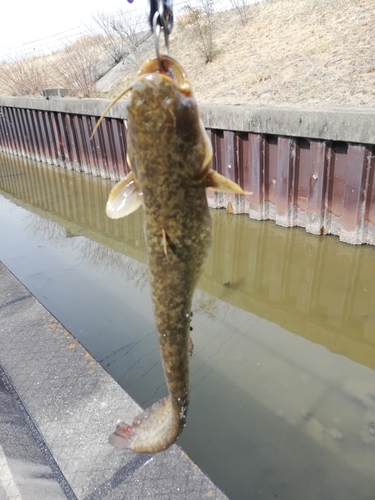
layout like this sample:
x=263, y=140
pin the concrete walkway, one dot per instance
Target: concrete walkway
x=27, y=469
x=58, y=407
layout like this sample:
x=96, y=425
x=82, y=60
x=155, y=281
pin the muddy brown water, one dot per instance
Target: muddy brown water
x=283, y=369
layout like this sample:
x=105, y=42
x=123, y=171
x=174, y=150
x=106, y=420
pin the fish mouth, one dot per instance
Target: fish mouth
x=169, y=70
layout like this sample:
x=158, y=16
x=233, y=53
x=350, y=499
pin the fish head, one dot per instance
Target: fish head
x=170, y=70
x=164, y=127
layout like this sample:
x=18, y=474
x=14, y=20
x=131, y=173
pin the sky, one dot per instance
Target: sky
x=27, y=26
x=25, y=22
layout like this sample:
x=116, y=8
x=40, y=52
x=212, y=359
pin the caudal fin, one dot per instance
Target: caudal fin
x=153, y=430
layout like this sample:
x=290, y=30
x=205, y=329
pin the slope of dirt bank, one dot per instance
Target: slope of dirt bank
x=313, y=53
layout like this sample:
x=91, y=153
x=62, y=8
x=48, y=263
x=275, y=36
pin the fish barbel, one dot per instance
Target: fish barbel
x=169, y=154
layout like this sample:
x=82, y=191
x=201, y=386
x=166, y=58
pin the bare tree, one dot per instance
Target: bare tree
x=242, y=9
x=124, y=34
x=201, y=21
x=23, y=76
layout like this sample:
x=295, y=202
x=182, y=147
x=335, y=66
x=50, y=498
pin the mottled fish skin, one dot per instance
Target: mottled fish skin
x=169, y=154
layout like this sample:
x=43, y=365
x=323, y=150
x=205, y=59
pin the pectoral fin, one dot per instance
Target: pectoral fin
x=218, y=182
x=208, y=147
x=124, y=198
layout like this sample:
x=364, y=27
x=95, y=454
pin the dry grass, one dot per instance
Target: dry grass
x=289, y=53
x=293, y=53
x=24, y=76
x=74, y=68
x=311, y=53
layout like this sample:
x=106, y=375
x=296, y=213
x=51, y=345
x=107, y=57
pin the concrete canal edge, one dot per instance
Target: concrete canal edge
x=334, y=124
x=74, y=404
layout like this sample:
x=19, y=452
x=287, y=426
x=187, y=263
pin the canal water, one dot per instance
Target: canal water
x=283, y=369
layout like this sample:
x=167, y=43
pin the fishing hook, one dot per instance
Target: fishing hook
x=161, y=19
x=156, y=30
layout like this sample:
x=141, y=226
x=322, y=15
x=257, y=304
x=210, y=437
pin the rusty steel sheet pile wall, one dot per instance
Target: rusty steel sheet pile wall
x=323, y=181
x=63, y=139
x=326, y=187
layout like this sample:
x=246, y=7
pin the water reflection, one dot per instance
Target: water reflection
x=283, y=381
x=315, y=287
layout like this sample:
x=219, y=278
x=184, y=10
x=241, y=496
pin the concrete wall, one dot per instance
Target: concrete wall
x=331, y=124
x=305, y=167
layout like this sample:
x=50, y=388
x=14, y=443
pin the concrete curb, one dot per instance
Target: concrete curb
x=331, y=124
x=75, y=404
x=336, y=124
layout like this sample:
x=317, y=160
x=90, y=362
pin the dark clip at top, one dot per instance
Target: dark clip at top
x=161, y=17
